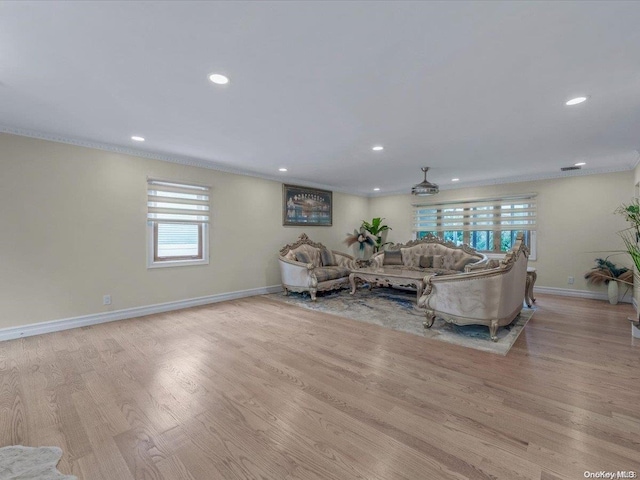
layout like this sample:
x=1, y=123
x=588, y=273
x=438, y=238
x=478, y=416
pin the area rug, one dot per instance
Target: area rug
x=396, y=309
x=30, y=463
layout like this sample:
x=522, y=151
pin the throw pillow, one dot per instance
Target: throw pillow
x=437, y=261
x=327, y=258
x=426, y=261
x=392, y=257
x=303, y=257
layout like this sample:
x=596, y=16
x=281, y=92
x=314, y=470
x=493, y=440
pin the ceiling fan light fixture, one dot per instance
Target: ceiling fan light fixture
x=425, y=188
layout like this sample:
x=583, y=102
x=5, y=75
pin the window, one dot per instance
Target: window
x=488, y=225
x=178, y=221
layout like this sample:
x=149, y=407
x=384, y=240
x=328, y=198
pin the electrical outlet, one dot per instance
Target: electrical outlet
x=106, y=300
x=570, y=280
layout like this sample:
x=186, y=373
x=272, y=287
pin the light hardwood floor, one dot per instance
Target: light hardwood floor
x=255, y=388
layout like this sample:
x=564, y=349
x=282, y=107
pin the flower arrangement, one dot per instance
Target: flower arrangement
x=362, y=237
x=370, y=234
x=377, y=229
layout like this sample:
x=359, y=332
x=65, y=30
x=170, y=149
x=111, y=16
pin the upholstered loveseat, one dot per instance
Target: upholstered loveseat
x=490, y=296
x=308, y=266
x=431, y=255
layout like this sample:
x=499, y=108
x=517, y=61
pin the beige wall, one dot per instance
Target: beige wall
x=576, y=223
x=75, y=229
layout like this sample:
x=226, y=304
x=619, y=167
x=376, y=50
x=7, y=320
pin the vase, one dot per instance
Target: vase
x=612, y=291
x=383, y=237
x=364, y=253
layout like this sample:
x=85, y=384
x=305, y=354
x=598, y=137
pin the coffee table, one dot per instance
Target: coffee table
x=387, y=277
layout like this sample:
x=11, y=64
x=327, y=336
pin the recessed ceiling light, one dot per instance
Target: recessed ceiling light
x=219, y=79
x=576, y=101
x=377, y=189
x=579, y=164
x=282, y=169
x=455, y=179
x=377, y=148
x=135, y=138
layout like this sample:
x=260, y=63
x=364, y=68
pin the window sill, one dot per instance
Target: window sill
x=177, y=263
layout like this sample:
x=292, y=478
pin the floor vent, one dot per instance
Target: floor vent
x=565, y=169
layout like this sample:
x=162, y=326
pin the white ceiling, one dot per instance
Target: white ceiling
x=473, y=90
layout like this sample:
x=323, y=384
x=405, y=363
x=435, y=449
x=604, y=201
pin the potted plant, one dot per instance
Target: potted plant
x=608, y=273
x=378, y=230
x=631, y=238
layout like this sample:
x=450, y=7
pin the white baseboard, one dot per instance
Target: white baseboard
x=568, y=292
x=12, y=333
x=93, y=319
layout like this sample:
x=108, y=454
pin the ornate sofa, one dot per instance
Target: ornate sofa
x=491, y=296
x=307, y=266
x=431, y=255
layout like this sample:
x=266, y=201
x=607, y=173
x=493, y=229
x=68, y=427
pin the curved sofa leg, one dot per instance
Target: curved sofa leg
x=313, y=286
x=493, y=330
x=430, y=319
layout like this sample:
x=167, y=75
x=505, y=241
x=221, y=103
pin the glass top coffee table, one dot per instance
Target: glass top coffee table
x=388, y=277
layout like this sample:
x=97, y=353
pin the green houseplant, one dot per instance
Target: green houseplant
x=378, y=230
x=608, y=273
x=631, y=238
x=605, y=271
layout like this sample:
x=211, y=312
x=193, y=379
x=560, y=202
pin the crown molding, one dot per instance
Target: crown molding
x=525, y=178
x=180, y=159
x=213, y=165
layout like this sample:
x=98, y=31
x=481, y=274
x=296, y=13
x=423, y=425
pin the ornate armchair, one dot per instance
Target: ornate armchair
x=307, y=266
x=491, y=297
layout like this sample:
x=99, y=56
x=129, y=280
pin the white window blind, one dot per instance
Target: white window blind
x=180, y=203
x=178, y=218
x=501, y=214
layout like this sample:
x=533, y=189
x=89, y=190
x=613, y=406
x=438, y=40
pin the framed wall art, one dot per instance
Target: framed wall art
x=306, y=206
